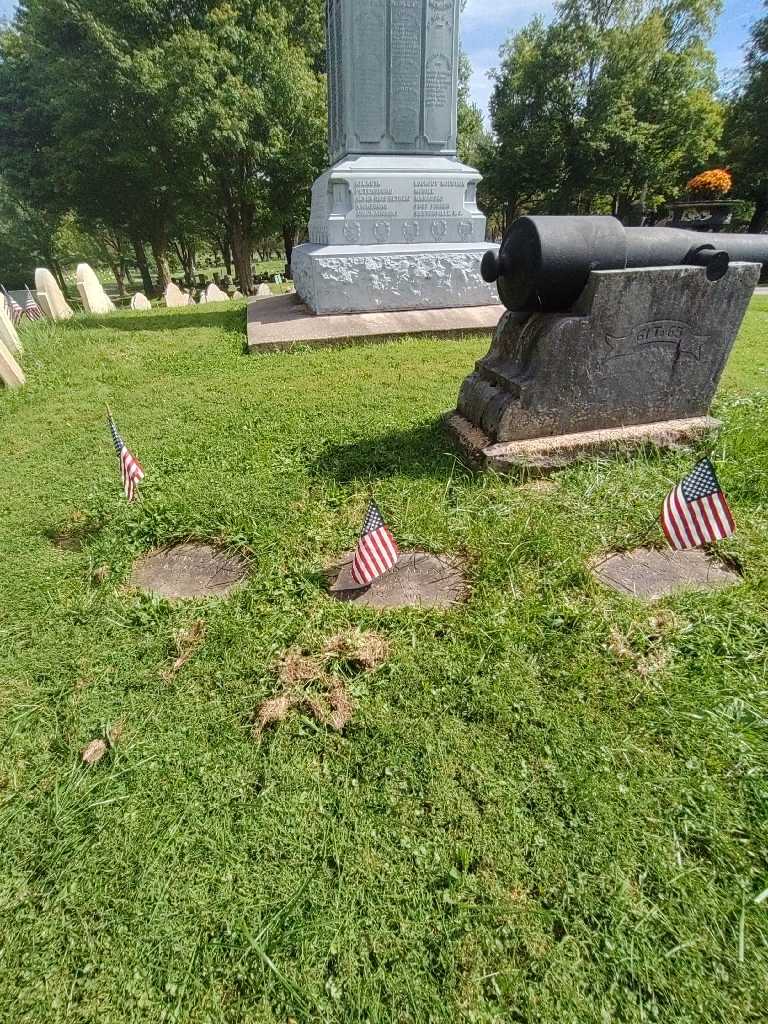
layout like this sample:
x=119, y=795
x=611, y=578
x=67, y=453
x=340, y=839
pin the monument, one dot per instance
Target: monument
x=613, y=337
x=395, y=223
x=51, y=297
x=140, y=302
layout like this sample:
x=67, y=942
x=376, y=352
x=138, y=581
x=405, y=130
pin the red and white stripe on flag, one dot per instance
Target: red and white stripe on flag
x=131, y=473
x=377, y=551
x=691, y=524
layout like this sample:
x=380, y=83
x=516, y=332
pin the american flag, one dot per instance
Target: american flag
x=14, y=309
x=131, y=472
x=696, y=512
x=31, y=307
x=377, y=551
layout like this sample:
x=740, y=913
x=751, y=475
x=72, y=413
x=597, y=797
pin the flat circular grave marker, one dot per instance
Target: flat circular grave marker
x=189, y=570
x=419, y=580
x=650, y=574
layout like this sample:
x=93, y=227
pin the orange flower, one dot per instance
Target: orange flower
x=715, y=182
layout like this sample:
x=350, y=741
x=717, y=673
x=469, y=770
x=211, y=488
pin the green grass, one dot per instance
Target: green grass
x=526, y=821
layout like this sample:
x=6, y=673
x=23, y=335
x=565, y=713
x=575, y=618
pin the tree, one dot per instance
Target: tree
x=605, y=107
x=247, y=90
x=157, y=120
x=746, y=135
x=471, y=130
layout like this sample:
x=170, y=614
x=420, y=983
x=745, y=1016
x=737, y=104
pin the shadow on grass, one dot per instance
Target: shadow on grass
x=422, y=450
x=172, y=320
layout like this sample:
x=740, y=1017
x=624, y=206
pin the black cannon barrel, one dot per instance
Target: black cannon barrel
x=544, y=262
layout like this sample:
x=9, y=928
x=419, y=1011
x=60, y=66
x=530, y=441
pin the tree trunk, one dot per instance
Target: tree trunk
x=242, y=254
x=58, y=273
x=289, y=240
x=117, y=273
x=226, y=254
x=759, y=221
x=141, y=263
x=160, y=252
x=186, y=254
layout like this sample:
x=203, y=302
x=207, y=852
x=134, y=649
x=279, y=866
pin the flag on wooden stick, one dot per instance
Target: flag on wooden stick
x=696, y=511
x=377, y=551
x=131, y=472
x=31, y=307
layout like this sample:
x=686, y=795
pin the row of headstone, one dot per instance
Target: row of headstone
x=175, y=297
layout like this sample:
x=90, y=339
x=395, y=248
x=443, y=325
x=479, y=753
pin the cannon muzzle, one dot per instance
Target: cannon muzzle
x=544, y=262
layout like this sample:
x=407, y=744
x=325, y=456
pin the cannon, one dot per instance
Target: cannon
x=544, y=262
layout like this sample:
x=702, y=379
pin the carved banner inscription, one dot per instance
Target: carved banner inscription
x=370, y=63
x=439, y=71
x=676, y=334
x=405, y=70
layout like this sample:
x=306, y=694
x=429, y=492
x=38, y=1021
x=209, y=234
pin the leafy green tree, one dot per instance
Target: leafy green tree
x=471, y=132
x=156, y=120
x=604, y=108
x=746, y=137
x=246, y=88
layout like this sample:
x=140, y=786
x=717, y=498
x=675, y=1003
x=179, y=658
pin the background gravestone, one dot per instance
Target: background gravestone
x=9, y=336
x=214, y=294
x=50, y=296
x=11, y=373
x=395, y=223
x=92, y=294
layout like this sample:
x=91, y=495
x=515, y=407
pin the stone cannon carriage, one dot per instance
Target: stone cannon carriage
x=612, y=336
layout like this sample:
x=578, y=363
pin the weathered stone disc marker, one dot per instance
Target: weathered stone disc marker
x=189, y=570
x=419, y=580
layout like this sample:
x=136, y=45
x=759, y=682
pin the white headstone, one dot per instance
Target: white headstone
x=11, y=374
x=8, y=334
x=202, y=298
x=190, y=299
x=140, y=301
x=50, y=297
x=263, y=291
x=214, y=294
x=237, y=295
x=174, y=296
x=95, y=299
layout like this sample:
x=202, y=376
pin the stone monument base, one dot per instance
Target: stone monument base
x=539, y=456
x=372, y=278
x=283, y=323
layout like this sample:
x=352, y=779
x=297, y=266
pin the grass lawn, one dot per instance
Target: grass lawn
x=551, y=805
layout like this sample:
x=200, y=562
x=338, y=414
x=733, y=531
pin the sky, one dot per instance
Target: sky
x=487, y=23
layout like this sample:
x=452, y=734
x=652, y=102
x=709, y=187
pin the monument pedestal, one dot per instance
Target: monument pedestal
x=395, y=223
x=541, y=456
x=384, y=278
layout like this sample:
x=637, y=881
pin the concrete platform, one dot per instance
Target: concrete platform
x=283, y=322
x=541, y=455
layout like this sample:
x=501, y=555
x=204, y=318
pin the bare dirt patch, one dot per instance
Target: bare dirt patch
x=311, y=682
